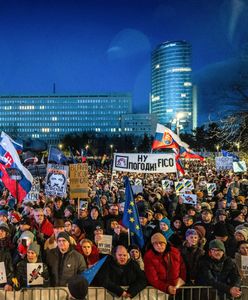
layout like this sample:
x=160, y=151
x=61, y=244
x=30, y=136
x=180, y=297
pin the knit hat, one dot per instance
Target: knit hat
x=4, y=226
x=16, y=215
x=199, y=194
x=78, y=287
x=158, y=237
x=64, y=235
x=220, y=212
x=133, y=246
x=79, y=224
x=191, y=231
x=244, y=232
x=34, y=247
x=25, y=221
x=235, y=213
x=217, y=244
x=4, y=212
x=200, y=230
x=70, y=208
x=220, y=229
x=27, y=235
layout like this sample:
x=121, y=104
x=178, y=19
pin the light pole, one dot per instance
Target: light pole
x=238, y=146
x=218, y=148
x=60, y=146
x=111, y=150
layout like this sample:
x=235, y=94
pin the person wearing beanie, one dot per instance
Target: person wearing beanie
x=242, y=251
x=191, y=252
x=32, y=257
x=165, y=228
x=58, y=226
x=164, y=266
x=241, y=235
x=64, y=261
x=78, y=231
x=78, y=287
x=219, y=271
x=236, y=218
x=207, y=223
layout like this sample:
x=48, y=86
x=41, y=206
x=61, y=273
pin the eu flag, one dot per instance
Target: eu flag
x=57, y=156
x=131, y=216
x=89, y=274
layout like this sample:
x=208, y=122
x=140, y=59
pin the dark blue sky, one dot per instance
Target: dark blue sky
x=103, y=46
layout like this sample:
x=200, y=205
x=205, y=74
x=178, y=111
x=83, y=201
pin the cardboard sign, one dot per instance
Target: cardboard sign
x=34, y=271
x=244, y=265
x=83, y=204
x=144, y=162
x=189, y=199
x=56, y=180
x=179, y=187
x=239, y=166
x=105, y=244
x=79, y=183
x=3, y=277
x=188, y=184
x=211, y=188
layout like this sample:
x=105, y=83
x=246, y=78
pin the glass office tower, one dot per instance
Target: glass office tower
x=171, y=95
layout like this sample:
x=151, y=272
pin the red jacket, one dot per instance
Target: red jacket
x=164, y=269
x=46, y=228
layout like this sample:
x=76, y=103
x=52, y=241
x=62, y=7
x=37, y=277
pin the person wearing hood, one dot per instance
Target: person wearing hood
x=64, y=262
x=164, y=266
x=219, y=271
x=120, y=275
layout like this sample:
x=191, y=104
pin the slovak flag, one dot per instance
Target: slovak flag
x=166, y=139
x=16, y=178
x=190, y=154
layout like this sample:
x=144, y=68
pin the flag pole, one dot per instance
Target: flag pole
x=128, y=237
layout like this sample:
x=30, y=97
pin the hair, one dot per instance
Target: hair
x=241, y=243
x=86, y=241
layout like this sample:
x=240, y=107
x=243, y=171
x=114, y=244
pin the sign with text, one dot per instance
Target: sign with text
x=223, y=163
x=145, y=163
x=189, y=199
x=34, y=271
x=33, y=195
x=105, y=244
x=56, y=180
x=79, y=183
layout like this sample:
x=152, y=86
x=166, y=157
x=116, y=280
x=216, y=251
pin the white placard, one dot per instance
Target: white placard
x=244, y=265
x=223, y=163
x=239, y=166
x=56, y=180
x=34, y=271
x=211, y=188
x=145, y=162
x=188, y=184
x=105, y=244
x=189, y=199
x=179, y=187
x=166, y=184
x=3, y=277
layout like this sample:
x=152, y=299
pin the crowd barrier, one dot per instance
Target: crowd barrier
x=61, y=293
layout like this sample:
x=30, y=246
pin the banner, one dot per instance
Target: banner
x=56, y=180
x=223, y=163
x=3, y=277
x=33, y=195
x=144, y=162
x=79, y=184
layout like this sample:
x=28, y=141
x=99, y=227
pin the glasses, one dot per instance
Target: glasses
x=216, y=250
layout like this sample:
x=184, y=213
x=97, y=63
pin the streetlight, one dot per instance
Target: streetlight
x=87, y=147
x=111, y=150
x=237, y=145
x=179, y=116
x=60, y=146
x=218, y=148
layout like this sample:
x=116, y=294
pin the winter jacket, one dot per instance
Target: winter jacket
x=164, y=269
x=63, y=266
x=114, y=277
x=6, y=258
x=220, y=274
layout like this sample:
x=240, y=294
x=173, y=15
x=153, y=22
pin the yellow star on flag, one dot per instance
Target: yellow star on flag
x=131, y=220
x=137, y=227
x=131, y=203
x=129, y=211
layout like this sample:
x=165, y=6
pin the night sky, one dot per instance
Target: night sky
x=105, y=46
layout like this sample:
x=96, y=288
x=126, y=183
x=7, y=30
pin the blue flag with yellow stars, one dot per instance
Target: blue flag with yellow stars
x=131, y=217
x=90, y=273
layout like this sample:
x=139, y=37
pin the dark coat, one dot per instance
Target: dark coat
x=63, y=266
x=113, y=277
x=6, y=258
x=221, y=275
x=164, y=269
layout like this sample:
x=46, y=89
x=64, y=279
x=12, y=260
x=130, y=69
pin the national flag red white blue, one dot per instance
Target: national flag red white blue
x=189, y=154
x=10, y=165
x=166, y=139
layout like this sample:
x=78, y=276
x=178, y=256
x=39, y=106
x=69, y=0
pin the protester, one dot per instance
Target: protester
x=89, y=251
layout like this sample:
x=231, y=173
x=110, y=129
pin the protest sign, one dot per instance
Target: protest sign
x=3, y=277
x=223, y=163
x=188, y=184
x=179, y=187
x=189, y=199
x=211, y=188
x=34, y=271
x=33, y=195
x=79, y=180
x=144, y=163
x=244, y=265
x=56, y=180
x=105, y=244
x=166, y=184
x=239, y=166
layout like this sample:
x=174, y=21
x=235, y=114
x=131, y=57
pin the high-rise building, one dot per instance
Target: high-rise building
x=138, y=124
x=50, y=117
x=171, y=95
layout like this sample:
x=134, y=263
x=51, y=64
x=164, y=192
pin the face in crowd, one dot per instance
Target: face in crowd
x=39, y=216
x=121, y=255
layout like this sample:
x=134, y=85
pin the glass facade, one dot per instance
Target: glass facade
x=139, y=124
x=171, y=96
x=49, y=117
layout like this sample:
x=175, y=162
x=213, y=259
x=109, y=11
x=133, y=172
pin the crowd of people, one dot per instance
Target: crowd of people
x=202, y=244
